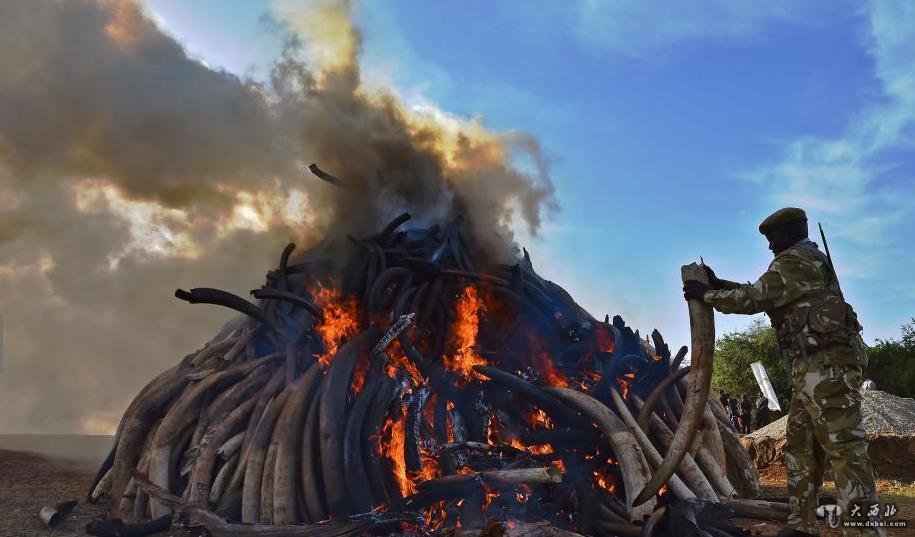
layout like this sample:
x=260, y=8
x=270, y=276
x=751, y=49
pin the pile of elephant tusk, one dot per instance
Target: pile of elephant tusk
x=403, y=382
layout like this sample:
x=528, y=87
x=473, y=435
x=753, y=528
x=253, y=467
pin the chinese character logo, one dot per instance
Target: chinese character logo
x=831, y=513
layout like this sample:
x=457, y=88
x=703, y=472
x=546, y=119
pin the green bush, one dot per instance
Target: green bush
x=735, y=351
x=892, y=362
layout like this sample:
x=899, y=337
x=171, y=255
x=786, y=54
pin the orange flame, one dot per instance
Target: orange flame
x=429, y=468
x=537, y=449
x=493, y=430
x=624, y=384
x=464, y=335
x=489, y=494
x=338, y=322
x=391, y=445
x=605, y=481
x=359, y=375
x=435, y=514
x=538, y=419
x=398, y=360
x=548, y=372
x=605, y=341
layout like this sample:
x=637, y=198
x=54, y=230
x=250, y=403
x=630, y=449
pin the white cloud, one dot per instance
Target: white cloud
x=840, y=178
x=639, y=27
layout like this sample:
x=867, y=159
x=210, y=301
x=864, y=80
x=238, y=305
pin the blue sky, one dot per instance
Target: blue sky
x=673, y=129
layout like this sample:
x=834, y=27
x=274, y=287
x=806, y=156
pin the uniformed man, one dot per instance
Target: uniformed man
x=745, y=407
x=819, y=334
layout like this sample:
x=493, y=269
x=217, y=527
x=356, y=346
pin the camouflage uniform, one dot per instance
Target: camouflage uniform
x=819, y=333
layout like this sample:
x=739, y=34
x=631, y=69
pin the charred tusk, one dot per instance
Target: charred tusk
x=324, y=176
x=55, y=514
x=653, y=521
x=332, y=419
x=702, y=332
x=759, y=509
x=208, y=295
x=292, y=298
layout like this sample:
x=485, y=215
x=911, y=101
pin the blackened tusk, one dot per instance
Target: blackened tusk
x=354, y=451
x=54, y=514
x=380, y=284
x=393, y=225
x=207, y=295
x=562, y=415
x=282, y=280
x=117, y=527
x=323, y=175
x=648, y=530
x=413, y=441
x=382, y=489
x=298, y=300
x=476, y=276
x=423, y=266
x=675, y=363
x=332, y=419
x=392, y=332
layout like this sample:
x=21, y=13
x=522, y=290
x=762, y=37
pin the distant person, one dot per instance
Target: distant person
x=734, y=407
x=724, y=403
x=746, y=407
x=869, y=384
x=762, y=412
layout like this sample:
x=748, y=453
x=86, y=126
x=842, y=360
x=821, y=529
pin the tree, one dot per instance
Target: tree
x=892, y=362
x=735, y=351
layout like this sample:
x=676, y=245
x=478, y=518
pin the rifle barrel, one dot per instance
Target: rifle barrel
x=829, y=257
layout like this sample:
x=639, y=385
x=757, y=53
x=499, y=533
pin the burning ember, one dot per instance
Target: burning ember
x=338, y=321
x=391, y=445
x=464, y=335
x=419, y=384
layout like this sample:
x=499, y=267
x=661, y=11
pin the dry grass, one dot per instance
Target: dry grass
x=773, y=479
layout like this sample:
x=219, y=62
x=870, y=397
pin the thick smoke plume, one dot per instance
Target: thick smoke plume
x=128, y=169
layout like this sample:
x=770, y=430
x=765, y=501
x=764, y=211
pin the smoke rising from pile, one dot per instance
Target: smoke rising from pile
x=128, y=169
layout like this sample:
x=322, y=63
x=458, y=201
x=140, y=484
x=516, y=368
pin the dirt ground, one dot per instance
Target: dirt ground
x=28, y=481
x=899, y=492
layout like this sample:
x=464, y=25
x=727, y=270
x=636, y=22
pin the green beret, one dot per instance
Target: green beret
x=782, y=217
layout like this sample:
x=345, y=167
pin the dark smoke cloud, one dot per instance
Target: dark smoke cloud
x=128, y=169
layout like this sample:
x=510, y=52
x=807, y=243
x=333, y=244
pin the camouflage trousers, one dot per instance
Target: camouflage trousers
x=824, y=420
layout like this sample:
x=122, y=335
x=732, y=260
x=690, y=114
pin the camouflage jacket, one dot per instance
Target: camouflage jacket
x=801, y=295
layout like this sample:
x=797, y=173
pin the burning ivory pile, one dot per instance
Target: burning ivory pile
x=412, y=387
